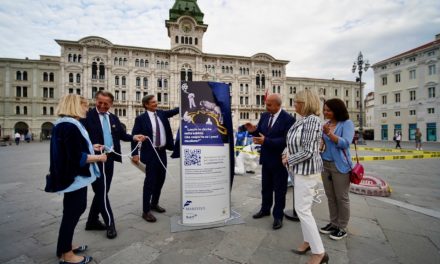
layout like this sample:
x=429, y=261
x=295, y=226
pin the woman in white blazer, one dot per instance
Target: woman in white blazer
x=302, y=156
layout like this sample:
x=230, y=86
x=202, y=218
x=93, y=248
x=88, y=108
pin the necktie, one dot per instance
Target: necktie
x=108, y=140
x=270, y=121
x=157, y=139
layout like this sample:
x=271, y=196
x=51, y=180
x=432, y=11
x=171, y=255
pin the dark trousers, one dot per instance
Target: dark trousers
x=101, y=203
x=274, y=180
x=154, y=179
x=398, y=144
x=74, y=205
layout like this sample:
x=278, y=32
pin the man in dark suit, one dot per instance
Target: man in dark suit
x=105, y=128
x=153, y=124
x=271, y=133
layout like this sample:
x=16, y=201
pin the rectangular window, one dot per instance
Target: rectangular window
x=94, y=91
x=116, y=95
x=384, y=114
x=336, y=92
x=431, y=110
x=241, y=100
x=431, y=131
x=165, y=98
x=24, y=91
x=397, y=113
x=412, y=59
x=384, y=80
x=412, y=95
x=346, y=92
x=45, y=92
x=412, y=112
x=78, y=91
x=346, y=103
x=384, y=99
x=51, y=90
x=123, y=95
x=138, y=96
x=70, y=90
x=18, y=91
x=412, y=74
x=431, y=92
x=397, y=97
x=431, y=69
x=397, y=77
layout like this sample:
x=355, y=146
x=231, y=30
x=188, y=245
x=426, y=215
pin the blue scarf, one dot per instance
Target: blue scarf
x=81, y=181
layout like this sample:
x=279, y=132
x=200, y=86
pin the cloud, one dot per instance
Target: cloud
x=320, y=38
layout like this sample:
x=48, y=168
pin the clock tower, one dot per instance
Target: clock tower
x=185, y=25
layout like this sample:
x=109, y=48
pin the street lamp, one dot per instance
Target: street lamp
x=362, y=66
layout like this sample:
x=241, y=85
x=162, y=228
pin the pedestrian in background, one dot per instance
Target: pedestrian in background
x=303, y=141
x=72, y=168
x=17, y=137
x=338, y=134
x=398, y=137
x=418, y=136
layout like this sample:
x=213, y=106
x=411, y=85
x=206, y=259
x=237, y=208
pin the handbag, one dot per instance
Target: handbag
x=357, y=172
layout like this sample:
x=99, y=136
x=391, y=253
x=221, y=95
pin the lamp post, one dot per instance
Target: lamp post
x=362, y=66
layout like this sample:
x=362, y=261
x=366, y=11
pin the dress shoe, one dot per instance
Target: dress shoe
x=80, y=249
x=277, y=224
x=86, y=260
x=157, y=208
x=95, y=225
x=149, y=217
x=111, y=232
x=325, y=259
x=260, y=214
x=301, y=252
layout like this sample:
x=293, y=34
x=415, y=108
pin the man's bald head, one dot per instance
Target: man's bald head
x=273, y=103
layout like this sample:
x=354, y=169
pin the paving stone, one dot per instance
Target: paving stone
x=365, y=227
x=369, y=250
x=395, y=219
x=23, y=259
x=133, y=254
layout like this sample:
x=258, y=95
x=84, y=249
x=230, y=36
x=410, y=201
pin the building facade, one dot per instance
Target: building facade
x=30, y=89
x=407, y=94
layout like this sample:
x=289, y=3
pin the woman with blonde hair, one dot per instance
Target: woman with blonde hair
x=303, y=158
x=72, y=168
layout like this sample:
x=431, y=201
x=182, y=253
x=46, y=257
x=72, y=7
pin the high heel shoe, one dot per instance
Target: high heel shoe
x=301, y=252
x=324, y=259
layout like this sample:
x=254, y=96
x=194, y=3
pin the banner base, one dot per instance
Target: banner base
x=177, y=226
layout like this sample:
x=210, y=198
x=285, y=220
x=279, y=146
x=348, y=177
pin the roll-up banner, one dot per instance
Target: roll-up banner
x=205, y=152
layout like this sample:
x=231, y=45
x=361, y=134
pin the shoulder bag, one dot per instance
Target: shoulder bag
x=357, y=172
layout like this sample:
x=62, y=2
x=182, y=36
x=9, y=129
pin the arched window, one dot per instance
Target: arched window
x=232, y=71
x=71, y=77
x=123, y=80
x=69, y=58
x=158, y=65
x=177, y=39
x=136, y=63
x=257, y=80
x=186, y=40
x=102, y=70
x=24, y=110
x=186, y=73
x=159, y=82
x=115, y=62
x=45, y=77
x=120, y=61
x=51, y=77
x=116, y=80
x=263, y=81
x=162, y=65
x=165, y=83
x=17, y=110
x=94, y=70
x=74, y=57
x=166, y=65
x=146, y=63
x=145, y=82
x=44, y=110
x=124, y=62
x=18, y=76
x=79, y=58
x=223, y=69
x=182, y=40
x=25, y=76
x=190, y=41
x=196, y=41
x=78, y=78
x=51, y=110
x=138, y=81
x=142, y=63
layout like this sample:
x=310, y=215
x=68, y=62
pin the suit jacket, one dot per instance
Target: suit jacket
x=142, y=125
x=275, y=138
x=93, y=125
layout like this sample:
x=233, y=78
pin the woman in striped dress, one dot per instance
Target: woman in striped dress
x=303, y=158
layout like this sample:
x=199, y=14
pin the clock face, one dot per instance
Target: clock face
x=186, y=27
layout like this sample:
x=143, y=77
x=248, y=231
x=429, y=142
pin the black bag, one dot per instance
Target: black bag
x=394, y=138
x=49, y=187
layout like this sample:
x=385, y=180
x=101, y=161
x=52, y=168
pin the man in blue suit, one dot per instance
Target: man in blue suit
x=105, y=128
x=154, y=124
x=271, y=133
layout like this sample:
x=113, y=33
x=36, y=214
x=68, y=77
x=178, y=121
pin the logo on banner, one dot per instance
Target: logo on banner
x=187, y=203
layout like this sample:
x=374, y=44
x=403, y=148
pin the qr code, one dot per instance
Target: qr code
x=193, y=157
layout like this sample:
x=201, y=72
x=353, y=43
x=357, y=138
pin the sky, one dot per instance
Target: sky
x=320, y=38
